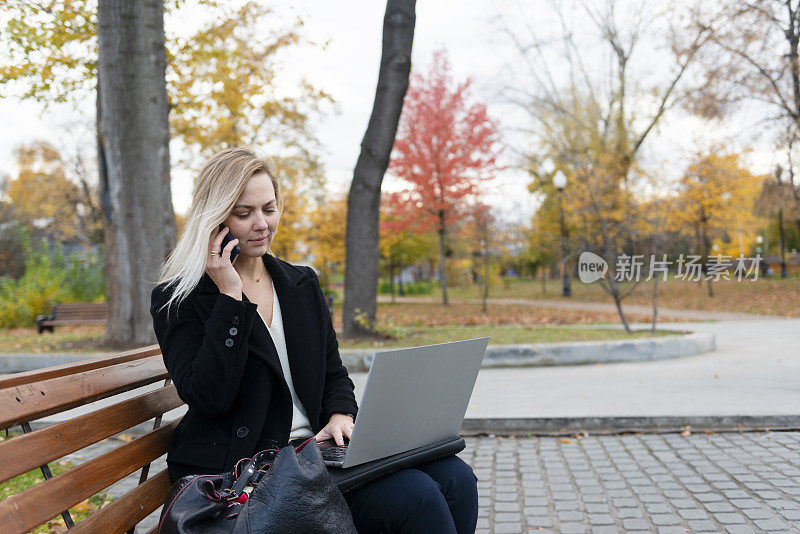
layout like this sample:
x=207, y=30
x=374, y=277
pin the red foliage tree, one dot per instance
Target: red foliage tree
x=445, y=148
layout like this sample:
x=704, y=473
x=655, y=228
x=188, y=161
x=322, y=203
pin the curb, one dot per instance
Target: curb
x=570, y=353
x=568, y=426
x=529, y=355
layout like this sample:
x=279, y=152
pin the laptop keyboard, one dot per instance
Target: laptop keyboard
x=334, y=454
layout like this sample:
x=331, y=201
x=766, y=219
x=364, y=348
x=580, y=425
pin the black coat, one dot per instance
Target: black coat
x=225, y=367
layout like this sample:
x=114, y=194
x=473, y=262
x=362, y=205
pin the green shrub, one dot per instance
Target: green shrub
x=418, y=287
x=49, y=277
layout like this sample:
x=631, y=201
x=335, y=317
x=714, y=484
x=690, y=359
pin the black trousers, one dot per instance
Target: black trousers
x=440, y=497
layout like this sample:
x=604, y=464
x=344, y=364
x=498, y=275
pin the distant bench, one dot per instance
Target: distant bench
x=32, y=395
x=73, y=313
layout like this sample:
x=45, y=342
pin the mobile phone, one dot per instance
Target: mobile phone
x=227, y=239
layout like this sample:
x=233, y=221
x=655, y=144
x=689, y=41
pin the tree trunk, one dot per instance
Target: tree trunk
x=391, y=281
x=544, y=279
x=363, y=202
x=704, y=269
x=442, y=261
x=618, y=304
x=485, y=295
x=782, y=243
x=655, y=305
x=134, y=162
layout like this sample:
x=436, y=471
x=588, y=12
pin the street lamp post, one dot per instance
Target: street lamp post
x=560, y=182
x=761, y=263
x=778, y=173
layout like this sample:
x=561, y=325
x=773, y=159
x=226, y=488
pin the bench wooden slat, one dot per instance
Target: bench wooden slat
x=56, y=322
x=29, y=451
x=37, y=375
x=35, y=505
x=82, y=305
x=125, y=512
x=27, y=402
x=74, y=312
x=81, y=308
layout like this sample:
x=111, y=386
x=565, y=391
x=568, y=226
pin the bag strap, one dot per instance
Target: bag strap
x=256, y=464
x=251, y=469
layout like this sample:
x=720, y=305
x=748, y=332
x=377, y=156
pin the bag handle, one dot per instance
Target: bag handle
x=255, y=465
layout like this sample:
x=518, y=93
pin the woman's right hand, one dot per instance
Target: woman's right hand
x=219, y=266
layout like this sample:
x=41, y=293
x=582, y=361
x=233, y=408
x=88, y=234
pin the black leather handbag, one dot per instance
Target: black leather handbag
x=284, y=491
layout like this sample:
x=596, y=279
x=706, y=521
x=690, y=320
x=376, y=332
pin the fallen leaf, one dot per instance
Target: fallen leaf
x=686, y=433
x=82, y=506
x=125, y=437
x=564, y=440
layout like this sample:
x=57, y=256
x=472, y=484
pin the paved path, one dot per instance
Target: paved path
x=664, y=313
x=664, y=483
x=754, y=371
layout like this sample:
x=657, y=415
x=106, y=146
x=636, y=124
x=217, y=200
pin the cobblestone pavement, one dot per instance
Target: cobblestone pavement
x=734, y=482
x=664, y=483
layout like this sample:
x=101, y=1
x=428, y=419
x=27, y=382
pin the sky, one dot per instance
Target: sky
x=347, y=67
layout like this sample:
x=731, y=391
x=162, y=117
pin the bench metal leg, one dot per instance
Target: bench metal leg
x=146, y=468
x=26, y=428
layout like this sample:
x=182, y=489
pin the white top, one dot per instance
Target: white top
x=301, y=427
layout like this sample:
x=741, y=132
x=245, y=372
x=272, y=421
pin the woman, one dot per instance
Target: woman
x=251, y=349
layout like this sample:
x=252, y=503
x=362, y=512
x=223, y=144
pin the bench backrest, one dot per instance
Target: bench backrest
x=81, y=310
x=32, y=395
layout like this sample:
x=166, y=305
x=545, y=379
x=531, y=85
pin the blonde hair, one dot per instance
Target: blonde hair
x=220, y=184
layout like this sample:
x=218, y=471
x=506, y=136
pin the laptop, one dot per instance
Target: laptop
x=413, y=397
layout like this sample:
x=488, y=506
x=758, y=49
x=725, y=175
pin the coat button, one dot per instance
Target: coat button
x=235, y=319
x=242, y=432
x=229, y=342
x=233, y=331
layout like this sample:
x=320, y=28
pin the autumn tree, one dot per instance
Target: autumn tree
x=716, y=201
x=753, y=60
x=363, y=201
x=405, y=239
x=584, y=107
x=41, y=189
x=446, y=147
x=327, y=235
x=220, y=83
x=220, y=78
x=482, y=222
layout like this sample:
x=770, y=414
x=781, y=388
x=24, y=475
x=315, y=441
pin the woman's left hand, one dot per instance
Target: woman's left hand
x=339, y=427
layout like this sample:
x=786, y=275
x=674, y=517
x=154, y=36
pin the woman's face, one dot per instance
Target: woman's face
x=255, y=216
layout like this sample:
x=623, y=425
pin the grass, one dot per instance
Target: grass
x=768, y=296
x=500, y=335
x=65, y=339
x=469, y=314
x=78, y=512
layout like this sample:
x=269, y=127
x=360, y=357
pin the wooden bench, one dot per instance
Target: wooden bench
x=32, y=395
x=73, y=313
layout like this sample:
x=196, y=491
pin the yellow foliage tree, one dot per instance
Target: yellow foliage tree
x=42, y=190
x=221, y=82
x=327, y=235
x=301, y=184
x=716, y=203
